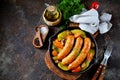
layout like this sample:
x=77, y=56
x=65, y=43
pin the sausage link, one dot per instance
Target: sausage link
x=88, y=60
x=83, y=54
x=66, y=49
x=78, y=44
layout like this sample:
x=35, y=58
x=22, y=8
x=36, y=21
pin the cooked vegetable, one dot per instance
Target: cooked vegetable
x=78, y=32
x=66, y=49
x=63, y=34
x=54, y=53
x=55, y=59
x=74, y=52
x=58, y=44
x=56, y=48
x=88, y=60
x=91, y=55
x=78, y=69
x=81, y=57
x=93, y=45
x=63, y=67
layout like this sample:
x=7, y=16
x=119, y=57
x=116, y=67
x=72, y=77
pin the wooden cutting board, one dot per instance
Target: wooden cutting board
x=57, y=71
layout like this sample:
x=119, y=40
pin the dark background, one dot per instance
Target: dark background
x=19, y=60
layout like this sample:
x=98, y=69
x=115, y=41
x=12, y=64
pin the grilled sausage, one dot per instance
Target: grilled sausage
x=83, y=54
x=66, y=49
x=78, y=44
x=88, y=60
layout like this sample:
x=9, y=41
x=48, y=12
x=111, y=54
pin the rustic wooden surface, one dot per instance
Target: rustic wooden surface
x=57, y=71
x=19, y=60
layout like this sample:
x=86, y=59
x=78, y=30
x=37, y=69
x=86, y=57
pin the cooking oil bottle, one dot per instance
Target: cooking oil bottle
x=52, y=13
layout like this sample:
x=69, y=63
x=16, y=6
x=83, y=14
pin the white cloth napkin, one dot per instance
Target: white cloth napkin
x=90, y=21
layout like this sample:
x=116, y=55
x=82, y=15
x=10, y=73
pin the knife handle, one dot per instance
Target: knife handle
x=97, y=72
x=102, y=73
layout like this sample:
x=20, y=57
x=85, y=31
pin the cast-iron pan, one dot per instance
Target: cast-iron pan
x=88, y=35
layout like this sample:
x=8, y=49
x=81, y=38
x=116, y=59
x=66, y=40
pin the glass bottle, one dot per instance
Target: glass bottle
x=52, y=13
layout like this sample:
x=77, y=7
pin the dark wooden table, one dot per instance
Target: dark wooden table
x=19, y=60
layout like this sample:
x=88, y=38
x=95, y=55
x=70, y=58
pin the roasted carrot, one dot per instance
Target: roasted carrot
x=78, y=69
x=54, y=53
x=83, y=54
x=58, y=44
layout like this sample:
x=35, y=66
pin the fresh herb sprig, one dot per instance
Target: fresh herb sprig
x=68, y=9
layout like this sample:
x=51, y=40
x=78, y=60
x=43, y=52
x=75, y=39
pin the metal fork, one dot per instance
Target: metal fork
x=102, y=68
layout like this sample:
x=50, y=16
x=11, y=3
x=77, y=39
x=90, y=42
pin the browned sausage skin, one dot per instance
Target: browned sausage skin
x=67, y=48
x=81, y=57
x=78, y=44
